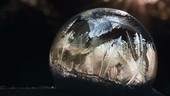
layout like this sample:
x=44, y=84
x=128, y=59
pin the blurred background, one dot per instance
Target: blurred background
x=28, y=27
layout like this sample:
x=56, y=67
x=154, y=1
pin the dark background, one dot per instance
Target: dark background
x=28, y=27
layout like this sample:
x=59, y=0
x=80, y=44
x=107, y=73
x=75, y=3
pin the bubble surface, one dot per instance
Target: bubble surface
x=104, y=45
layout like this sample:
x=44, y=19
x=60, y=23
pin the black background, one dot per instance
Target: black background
x=27, y=32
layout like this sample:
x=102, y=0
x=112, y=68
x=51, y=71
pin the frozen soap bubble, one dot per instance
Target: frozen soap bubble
x=104, y=46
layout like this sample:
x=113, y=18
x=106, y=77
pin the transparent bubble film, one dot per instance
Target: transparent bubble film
x=104, y=45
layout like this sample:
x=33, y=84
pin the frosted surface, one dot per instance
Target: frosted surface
x=104, y=45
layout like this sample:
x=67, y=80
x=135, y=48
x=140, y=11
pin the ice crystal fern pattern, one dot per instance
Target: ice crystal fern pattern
x=104, y=45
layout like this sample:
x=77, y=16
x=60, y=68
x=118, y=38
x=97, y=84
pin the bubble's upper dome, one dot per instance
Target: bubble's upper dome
x=104, y=45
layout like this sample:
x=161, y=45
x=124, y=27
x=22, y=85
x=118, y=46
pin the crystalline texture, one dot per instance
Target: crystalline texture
x=104, y=45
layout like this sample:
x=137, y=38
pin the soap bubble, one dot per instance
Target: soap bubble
x=104, y=45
